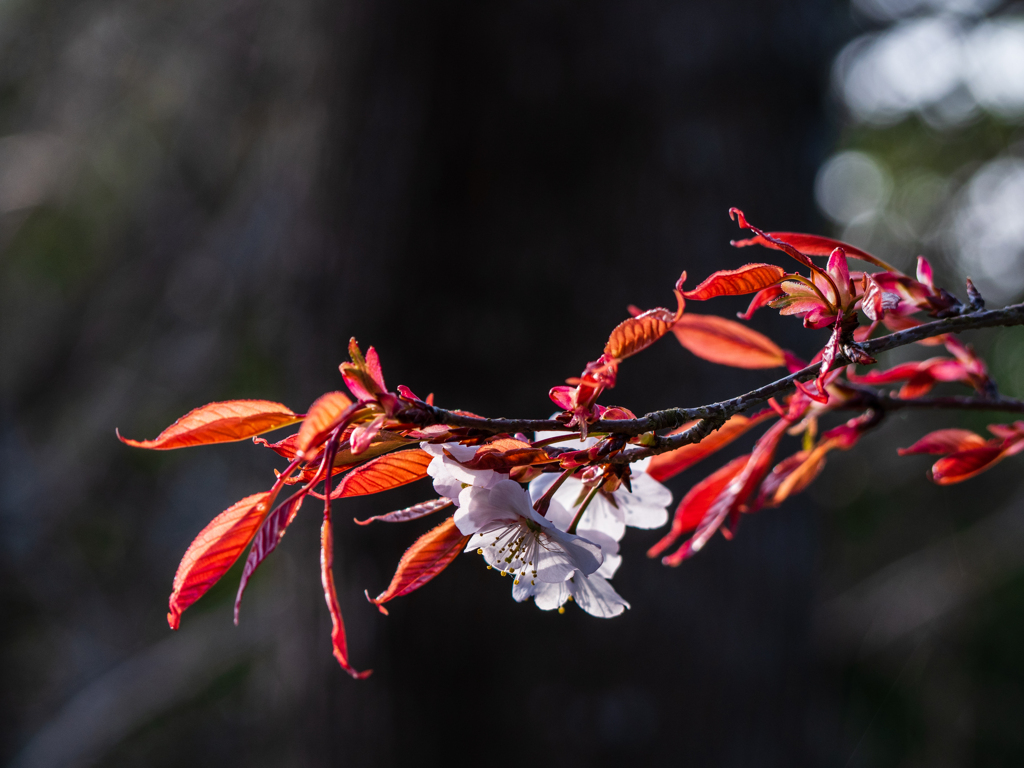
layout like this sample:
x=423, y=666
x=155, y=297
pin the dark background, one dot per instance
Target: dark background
x=204, y=201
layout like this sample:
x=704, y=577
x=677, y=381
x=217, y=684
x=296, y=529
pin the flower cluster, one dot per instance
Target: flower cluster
x=549, y=512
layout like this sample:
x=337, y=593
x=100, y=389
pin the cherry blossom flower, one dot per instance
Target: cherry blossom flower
x=645, y=506
x=450, y=477
x=514, y=538
x=592, y=593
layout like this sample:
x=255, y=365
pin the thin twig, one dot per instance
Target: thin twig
x=714, y=415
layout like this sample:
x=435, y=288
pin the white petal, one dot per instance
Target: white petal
x=445, y=483
x=559, y=554
x=596, y=596
x=547, y=597
x=602, y=516
x=479, y=510
x=646, y=506
x=609, y=566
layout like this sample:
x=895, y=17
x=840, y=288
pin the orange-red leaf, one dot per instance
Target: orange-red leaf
x=812, y=245
x=339, y=643
x=506, y=453
x=964, y=465
x=637, y=333
x=428, y=556
x=750, y=278
x=220, y=423
x=414, y=512
x=324, y=416
x=727, y=342
x=266, y=540
x=383, y=473
x=945, y=441
x=695, y=503
x=214, y=551
x=666, y=465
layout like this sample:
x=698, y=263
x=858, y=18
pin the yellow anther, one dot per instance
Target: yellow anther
x=516, y=581
x=489, y=567
x=561, y=609
x=479, y=551
x=504, y=573
x=570, y=597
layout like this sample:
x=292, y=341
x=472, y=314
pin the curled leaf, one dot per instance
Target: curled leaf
x=430, y=554
x=414, y=512
x=214, y=551
x=964, y=465
x=750, y=278
x=220, y=423
x=639, y=332
x=727, y=342
x=339, y=642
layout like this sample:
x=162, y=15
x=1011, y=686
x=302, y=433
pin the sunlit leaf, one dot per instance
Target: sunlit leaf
x=750, y=278
x=214, y=551
x=220, y=423
x=695, y=503
x=266, y=540
x=945, y=441
x=384, y=473
x=414, y=512
x=428, y=556
x=727, y=342
x=324, y=416
x=667, y=465
x=339, y=643
x=812, y=245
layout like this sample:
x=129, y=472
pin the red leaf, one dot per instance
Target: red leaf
x=750, y=278
x=414, y=512
x=267, y=538
x=763, y=298
x=667, y=465
x=637, y=333
x=339, y=643
x=506, y=453
x=964, y=465
x=727, y=342
x=428, y=556
x=813, y=245
x=324, y=416
x=384, y=473
x=220, y=423
x=734, y=495
x=945, y=441
x=695, y=503
x=215, y=550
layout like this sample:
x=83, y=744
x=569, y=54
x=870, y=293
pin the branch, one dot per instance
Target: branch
x=714, y=415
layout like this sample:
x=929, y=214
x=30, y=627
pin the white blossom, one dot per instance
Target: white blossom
x=514, y=538
x=450, y=477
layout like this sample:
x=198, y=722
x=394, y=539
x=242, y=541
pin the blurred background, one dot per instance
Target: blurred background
x=204, y=201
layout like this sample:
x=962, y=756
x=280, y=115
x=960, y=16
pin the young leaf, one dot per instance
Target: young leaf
x=750, y=278
x=428, y=556
x=220, y=423
x=695, y=503
x=414, y=512
x=643, y=329
x=214, y=551
x=727, y=342
x=339, y=643
x=945, y=441
x=505, y=453
x=324, y=416
x=667, y=465
x=964, y=465
x=267, y=538
x=384, y=473
x=813, y=245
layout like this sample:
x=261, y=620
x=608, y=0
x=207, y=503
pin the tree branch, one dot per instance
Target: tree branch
x=714, y=415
